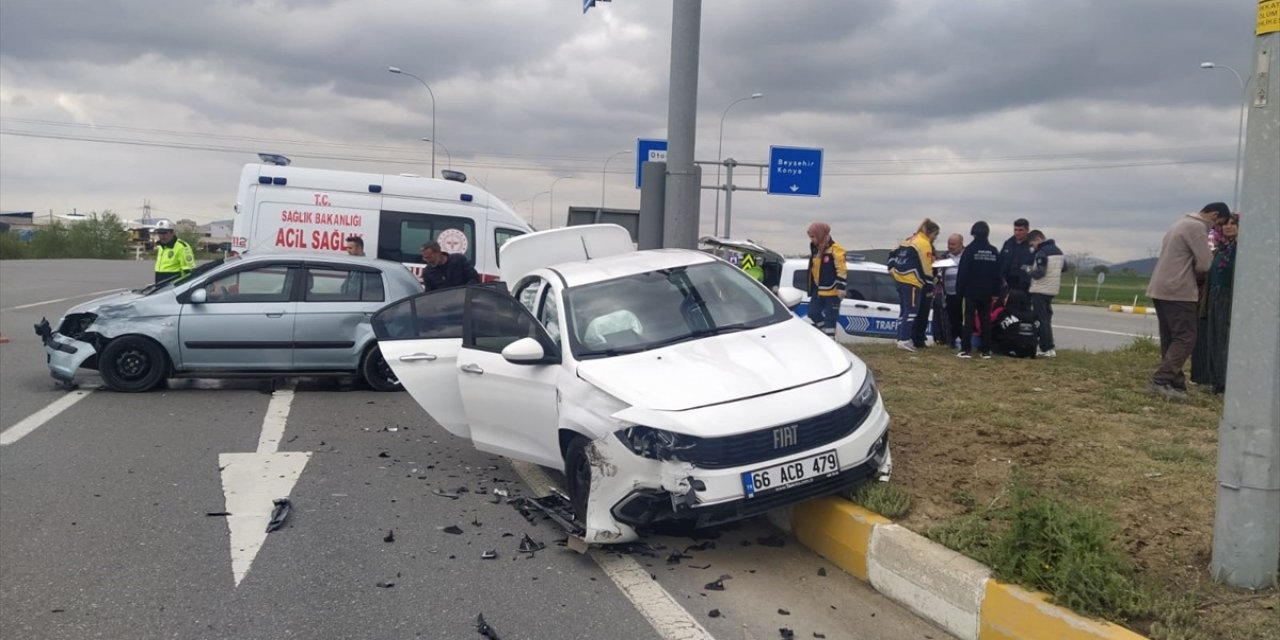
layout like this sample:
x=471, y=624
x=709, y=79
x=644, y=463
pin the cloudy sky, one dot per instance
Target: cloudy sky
x=1091, y=118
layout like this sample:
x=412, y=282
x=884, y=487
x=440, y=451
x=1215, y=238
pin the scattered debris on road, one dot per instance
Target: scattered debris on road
x=385, y=585
x=278, y=514
x=772, y=541
x=454, y=529
x=390, y=537
x=529, y=545
x=714, y=613
x=484, y=629
x=491, y=554
x=822, y=571
x=218, y=514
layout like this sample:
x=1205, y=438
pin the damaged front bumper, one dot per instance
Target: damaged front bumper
x=64, y=355
x=630, y=492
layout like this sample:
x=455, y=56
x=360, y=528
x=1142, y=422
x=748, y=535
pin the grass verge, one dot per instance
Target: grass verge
x=1065, y=476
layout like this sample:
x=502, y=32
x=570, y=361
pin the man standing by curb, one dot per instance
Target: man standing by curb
x=1046, y=279
x=1175, y=288
x=1016, y=254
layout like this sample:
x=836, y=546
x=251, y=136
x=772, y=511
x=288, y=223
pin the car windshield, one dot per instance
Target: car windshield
x=198, y=271
x=658, y=308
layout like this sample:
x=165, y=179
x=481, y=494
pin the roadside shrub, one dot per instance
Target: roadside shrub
x=1066, y=550
x=12, y=247
x=969, y=534
x=885, y=498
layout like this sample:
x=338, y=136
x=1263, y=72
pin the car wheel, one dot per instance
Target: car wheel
x=133, y=364
x=577, y=473
x=377, y=373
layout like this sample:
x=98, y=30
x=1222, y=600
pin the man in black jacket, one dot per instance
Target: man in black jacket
x=977, y=280
x=444, y=270
x=1016, y=254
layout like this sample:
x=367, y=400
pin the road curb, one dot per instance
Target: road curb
x=1138, y=309
x=951, y=590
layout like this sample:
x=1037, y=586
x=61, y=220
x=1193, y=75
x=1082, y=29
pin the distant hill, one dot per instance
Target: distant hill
x=1142, y=267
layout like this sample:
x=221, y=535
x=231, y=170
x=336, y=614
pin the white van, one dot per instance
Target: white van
x=281, y=209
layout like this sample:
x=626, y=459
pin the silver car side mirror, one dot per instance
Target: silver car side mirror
x=524, y=351
x=199, y=296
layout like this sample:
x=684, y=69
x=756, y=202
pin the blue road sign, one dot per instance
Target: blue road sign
x=795, y=171
x=649, y=150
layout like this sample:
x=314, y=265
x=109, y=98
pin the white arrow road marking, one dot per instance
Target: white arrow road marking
x=669, y=619
x=795, y=188
x=252, y=481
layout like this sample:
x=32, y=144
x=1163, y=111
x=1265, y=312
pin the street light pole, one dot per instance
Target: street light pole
x=448, y=156
x=602, y=170
x=551, y=222
x=1244, y=88
x=715, y=229
x=533, y=207
x=399, y=71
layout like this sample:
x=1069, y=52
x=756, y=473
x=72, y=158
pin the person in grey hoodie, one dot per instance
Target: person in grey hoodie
x=1046, y=280
x=1175, y=289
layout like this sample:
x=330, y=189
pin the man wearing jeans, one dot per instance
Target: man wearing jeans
x=1175, y=288
x=1046, y=279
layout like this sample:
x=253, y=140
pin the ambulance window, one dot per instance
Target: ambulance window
x=500, y=237
x=401, y=235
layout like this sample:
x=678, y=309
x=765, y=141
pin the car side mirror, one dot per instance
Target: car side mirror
x=199, y=296
x=790, y=296
x=524, y=351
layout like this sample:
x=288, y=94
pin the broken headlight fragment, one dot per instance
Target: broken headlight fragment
x=655, y=444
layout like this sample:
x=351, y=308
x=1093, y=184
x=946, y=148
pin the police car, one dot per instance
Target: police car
x=870, y=308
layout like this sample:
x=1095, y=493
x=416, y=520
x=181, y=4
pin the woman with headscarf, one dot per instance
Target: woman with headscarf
x=912, y=267
x=1209, y=360
x=827, y=275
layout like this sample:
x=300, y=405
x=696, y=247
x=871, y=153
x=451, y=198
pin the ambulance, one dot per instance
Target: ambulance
x=285, y=209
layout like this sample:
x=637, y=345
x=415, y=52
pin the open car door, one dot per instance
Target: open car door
x=420, y=338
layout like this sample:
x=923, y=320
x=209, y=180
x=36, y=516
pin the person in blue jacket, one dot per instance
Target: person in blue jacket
x=977, y=280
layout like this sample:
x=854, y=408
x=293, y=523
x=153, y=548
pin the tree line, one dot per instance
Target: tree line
x=102, y=236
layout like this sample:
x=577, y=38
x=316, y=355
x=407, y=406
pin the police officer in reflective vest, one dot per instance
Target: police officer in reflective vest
x=174, y=258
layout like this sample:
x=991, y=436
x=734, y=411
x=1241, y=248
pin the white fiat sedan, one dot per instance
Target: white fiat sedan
x=665, y=384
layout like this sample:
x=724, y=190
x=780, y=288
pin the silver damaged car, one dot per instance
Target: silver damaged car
x=253, y=315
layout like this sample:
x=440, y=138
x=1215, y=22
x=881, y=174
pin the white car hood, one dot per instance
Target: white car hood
x=719, y=369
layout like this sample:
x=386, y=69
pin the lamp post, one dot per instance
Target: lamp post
x=399, y=71
x=533, y=207
x=602, y=170
x=551, y=222
x=715, y=229
x=1235, y=194
x=448, y=156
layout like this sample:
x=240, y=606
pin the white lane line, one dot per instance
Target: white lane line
x=83, y=295
x=35, y=420
x=1111, y=333
x=273, y=422
x=664, y=613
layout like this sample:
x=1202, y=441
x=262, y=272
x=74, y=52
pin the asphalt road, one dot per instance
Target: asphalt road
x=105, y=532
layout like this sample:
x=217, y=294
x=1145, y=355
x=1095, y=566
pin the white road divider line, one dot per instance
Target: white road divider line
x=82, y=295
x=1110, y=333
x=664, y=613
x=35, y=420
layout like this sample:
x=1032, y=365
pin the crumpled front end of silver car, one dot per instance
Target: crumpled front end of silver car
x=70, y=347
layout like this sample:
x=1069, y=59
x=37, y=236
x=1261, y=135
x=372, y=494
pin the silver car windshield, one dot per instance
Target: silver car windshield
x=658, y=308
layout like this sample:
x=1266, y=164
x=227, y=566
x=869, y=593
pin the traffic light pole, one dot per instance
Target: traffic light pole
x=1246, y=532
